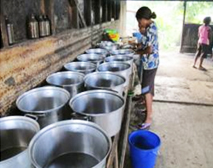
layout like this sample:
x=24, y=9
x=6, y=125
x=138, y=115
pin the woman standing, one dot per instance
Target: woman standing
x=150, y=58
x=203, y=42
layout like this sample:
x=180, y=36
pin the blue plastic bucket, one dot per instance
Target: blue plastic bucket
x=144, y=146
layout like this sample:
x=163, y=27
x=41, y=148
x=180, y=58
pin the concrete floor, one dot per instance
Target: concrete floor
x=186, y=130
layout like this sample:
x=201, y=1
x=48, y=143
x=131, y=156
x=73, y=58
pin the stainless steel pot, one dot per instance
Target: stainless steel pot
x=71, y=143
x=16, y=133
x=128, y=52
x=73, y=82
x=108, y=45
x=99, y=51
x=105, y=80
x=105, y=108
x=82, y=67
x=94, y=58
x=122, y=69
x=45, y=104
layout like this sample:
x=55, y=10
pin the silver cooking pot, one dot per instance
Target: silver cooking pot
x=45, y=104
x=94, y=58
x=73, y=82
x=99, y=51
x=71, y=143
x=105, y=80
x=82, y=67
x=128, y=52
x=108, y=45
x=122, y=69
x=105, y=108
x=121, y=58
x=16, y=134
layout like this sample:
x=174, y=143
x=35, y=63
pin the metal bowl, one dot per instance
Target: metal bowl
x=71, y=143
x=105, y=80
x=82, y=67
x=94, y=58
x=73, y=82
x=99, y=51
x=128, y=52
x=105, y=108
x=16, y=134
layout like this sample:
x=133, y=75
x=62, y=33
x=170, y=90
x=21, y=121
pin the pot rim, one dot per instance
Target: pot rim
x=68, y=122
x=113, y=62
x=97, y=91
x=78, y=63
x=119, y=56
x=131, y=52
x=42, y=111
x=66, y=72
x=100, y=58
x=102, y=72
x=104, y=50
x=25, y=119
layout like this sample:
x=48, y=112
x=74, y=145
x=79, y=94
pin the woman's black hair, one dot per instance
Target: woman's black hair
x=145, y=13
x=207, y=20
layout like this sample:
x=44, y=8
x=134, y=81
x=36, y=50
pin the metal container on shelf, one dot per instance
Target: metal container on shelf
x=81, y=67
x=10, y=31
x=106, y=81
x=33, y=29
x=99, y=51
x=71, y=143
x=122, y=69
x=73, y=82
x=45, y=104
x=47, y=25
x=128, y=52
x=94, y=58
x=42, y=27
x=102, y=107
x=16, y=134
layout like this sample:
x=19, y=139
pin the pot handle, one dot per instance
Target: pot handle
x=31, y=116
x=80, y=117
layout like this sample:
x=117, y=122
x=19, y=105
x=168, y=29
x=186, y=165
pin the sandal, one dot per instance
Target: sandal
x=144, y=126
x=202, y=69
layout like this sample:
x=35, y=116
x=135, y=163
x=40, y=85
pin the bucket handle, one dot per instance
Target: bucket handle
x=31, y=116
x=80, y=117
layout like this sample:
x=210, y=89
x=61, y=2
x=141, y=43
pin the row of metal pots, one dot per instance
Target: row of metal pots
x=82, y=143
x=69, y=143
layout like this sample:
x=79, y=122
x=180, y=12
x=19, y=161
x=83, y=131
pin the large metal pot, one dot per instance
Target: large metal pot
x=82, y=67
x=71, y=143
x=99, y=51
x=16, y=133
x=73, y=82
x=45, y=104
x=108, y=45
x=128, y=52
x=122, y=69
x=105, y=80
x=94, y=58
x=105, y=108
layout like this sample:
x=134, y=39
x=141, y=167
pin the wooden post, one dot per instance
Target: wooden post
x=184, y=17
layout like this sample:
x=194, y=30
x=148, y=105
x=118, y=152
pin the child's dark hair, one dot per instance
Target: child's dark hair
x=207, y=20
x=145, y=13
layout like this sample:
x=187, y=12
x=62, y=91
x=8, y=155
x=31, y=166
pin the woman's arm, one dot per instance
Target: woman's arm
x=148, y=50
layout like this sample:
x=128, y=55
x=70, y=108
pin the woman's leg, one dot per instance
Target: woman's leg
x=149, y=100
x=197, y=55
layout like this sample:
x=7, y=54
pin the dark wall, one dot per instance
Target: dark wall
x=190, y=38
x=17, y=11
